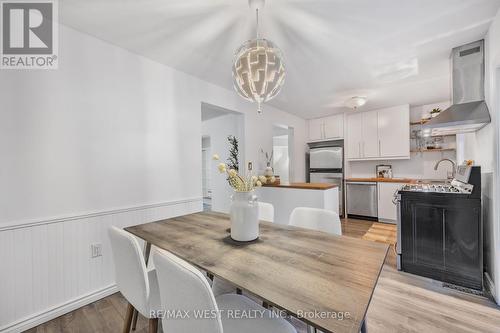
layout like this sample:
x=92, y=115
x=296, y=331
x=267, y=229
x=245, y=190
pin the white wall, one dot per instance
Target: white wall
x=466, y=147
x=206, y=166
x=106, y=135
x=261, y=133
x=484, y=145
x=487, y=155
x=281, y=158
x=218, y=129
x=493, y=246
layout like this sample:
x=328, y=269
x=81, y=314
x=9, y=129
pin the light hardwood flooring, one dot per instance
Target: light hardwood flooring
x=401, y=303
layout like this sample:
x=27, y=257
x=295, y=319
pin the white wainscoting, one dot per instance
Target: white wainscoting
x=46, y=267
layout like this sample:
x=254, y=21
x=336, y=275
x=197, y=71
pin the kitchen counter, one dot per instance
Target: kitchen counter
x=383, y=180
x=399, y=180
x=285, y=198
x=304, y=186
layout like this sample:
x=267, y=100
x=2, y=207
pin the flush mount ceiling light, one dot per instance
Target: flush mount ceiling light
x=258, y=68
x=356, y=102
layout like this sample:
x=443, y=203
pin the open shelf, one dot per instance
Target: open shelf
x=424, y=121
x=430, y=150
x=421, y=122
x=434, y=136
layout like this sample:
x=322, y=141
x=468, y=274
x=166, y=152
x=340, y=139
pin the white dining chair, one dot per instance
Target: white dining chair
x=138, y=284
x=266, y=212
x=219, y=287
x=184, y=289
x=317, y=219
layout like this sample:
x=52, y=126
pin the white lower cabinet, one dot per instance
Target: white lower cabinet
x=387, y=210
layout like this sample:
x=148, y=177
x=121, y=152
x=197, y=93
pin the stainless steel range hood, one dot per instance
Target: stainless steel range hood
x=469, y=111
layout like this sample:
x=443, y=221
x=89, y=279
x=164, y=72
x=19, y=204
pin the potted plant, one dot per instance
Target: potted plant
x=435, y=112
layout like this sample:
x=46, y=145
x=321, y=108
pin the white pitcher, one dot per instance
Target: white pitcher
x=244, y=216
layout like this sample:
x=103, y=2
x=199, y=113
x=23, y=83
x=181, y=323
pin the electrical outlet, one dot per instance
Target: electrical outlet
x=95, y=250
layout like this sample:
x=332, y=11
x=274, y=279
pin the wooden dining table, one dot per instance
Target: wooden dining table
x=325, y=280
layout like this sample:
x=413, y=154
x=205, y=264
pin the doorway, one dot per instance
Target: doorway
x=205, y=167
x=282, y=152
x=217, y=124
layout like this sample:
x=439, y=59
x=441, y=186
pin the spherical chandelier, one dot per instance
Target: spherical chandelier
x=258, y=68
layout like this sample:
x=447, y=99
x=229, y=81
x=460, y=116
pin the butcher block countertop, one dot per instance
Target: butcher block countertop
x=304, y=186
x=383, y=180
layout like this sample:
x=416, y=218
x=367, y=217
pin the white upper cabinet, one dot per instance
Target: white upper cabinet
x=315, y=129
x=334, y=127
x=370, y=135
x=354, y=136
x=394, y=131
x=380, y=134
x=362, y=136
x=328, y=128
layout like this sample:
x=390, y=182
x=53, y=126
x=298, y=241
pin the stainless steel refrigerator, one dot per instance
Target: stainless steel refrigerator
x=325, y=164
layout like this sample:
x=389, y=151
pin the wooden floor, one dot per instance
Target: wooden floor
x=401, y=303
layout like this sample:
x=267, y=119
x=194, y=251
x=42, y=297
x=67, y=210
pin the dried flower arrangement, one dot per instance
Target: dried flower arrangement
x=240, y=182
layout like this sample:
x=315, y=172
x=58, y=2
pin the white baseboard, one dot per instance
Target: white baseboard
x=388, y=221
x=57, y=311
x=490, y=287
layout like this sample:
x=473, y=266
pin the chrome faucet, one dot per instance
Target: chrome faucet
x=453, y=166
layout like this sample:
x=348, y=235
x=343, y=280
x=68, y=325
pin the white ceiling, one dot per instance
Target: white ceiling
x=392, y=51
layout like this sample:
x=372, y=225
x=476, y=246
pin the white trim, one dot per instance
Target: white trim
x=489, y=285
x=58, y=310
x=33, y=222
x=496, y=187
x=386, y=221
x=381, y=158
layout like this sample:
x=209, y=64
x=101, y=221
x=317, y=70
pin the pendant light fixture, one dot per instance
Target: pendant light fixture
x=258, y=68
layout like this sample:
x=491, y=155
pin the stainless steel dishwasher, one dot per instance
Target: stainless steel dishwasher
x=362, y=200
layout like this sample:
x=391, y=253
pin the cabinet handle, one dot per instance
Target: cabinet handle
x=379, y=150
x=444, y=233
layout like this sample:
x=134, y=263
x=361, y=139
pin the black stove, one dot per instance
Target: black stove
x=440, y=229
x=435, y=188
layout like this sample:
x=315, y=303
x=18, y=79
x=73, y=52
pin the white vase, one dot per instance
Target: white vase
x=268, y=172
x=244, y=216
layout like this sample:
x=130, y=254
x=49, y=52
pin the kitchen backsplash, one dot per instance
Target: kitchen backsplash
x=421, y=165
